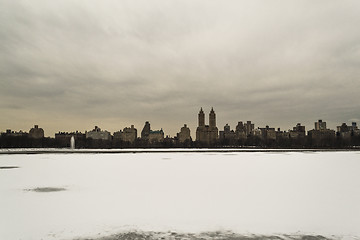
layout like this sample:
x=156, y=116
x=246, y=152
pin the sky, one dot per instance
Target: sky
x=72, y=64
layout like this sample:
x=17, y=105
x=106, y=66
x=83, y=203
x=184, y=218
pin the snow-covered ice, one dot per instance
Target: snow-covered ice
x=65, y=196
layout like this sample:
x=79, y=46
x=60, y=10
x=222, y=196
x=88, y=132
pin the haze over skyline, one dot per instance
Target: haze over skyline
x=71, y=65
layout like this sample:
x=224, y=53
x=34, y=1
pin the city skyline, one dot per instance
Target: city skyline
x=71, y=65
x=189, y=124
x=245, y=134
x=203, y=124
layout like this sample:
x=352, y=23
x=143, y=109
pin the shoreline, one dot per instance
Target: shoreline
x=161, y=150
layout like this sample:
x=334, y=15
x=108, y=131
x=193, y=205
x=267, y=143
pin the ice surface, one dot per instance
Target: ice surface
x=245, y=192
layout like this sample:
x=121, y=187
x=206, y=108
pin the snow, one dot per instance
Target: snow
x=64, y=196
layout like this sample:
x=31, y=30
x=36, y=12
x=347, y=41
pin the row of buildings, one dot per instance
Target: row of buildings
x=35, y=133
x=128, y=134
x=206, y=134
x=209, y=134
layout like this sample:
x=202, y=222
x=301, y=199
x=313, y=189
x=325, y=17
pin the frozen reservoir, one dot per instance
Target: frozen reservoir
x=68, y=196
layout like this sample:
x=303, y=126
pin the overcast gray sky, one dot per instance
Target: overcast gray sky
x=71, y=64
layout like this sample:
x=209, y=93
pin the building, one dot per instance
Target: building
x=354, y=129
x=298, y=131
x=345, y=128
x=321, y=136
x=129, y=134
x=152, y=136
x=249, y=128
x=146, y=131
x=207, y=133
x=156, y=136
x=227, y=135
x=98, y=134
x=320, y=125
x=170, y=141
x=241, y=131
x=268, y=133
x=10, y=133
x=282, y=134
x=256, y=133
x=36, y=132
x=184, y=134
x=346, y=132
x=63, y=138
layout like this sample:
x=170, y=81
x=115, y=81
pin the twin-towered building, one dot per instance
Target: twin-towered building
x=207, y=133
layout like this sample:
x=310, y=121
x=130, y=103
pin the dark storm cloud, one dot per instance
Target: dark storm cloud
x=114, y=63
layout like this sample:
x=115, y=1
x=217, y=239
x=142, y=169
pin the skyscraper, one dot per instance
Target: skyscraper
x=207, y=133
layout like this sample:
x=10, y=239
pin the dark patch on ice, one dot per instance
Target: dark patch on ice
x=310, y=237
x=218, y=235
x=46, y=189
x=8, y=167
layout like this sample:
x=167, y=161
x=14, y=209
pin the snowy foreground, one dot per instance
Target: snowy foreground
x=87, y=195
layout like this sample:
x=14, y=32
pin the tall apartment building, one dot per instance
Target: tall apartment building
x=320, y=125
x=207, y=133
x=184, y=134
x=298, y=131
x=321, y=136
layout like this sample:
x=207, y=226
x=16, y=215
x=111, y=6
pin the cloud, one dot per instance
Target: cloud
x=123, y=62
